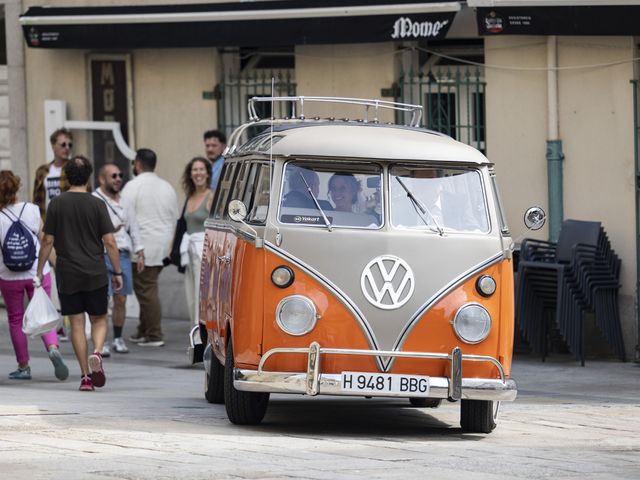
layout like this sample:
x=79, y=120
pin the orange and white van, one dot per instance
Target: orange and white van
x=351, y=257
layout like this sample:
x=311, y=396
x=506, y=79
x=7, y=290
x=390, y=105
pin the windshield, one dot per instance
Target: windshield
x=332, y=195
x=437, y=199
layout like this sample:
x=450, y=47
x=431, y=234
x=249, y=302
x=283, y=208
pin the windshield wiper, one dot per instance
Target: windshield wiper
x=422, y=209
x=315, y=200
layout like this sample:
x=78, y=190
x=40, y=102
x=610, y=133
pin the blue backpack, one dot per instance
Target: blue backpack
x=19, y=247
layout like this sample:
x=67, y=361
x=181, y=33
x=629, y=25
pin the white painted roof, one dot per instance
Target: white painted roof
x=371, y=141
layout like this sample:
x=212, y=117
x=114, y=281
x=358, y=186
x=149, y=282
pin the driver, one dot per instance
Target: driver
x=298, y=194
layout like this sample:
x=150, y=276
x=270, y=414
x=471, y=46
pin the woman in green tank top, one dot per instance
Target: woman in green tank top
x=195, y=181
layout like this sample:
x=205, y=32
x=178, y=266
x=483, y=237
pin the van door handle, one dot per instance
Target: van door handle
x=224, y=259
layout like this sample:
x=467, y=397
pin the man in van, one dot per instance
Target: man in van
x=156, y=208
x=300, y=180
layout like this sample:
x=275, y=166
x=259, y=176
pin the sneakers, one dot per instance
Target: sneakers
x=137, y=338
x=59, y=368
x=86, y=385
x=119, y=346
x=21, y=374
x=97, y=373
x=106, y=353
x=151, y=343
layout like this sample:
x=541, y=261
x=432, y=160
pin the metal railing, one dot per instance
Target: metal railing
x=234, y=91
x=453, y=98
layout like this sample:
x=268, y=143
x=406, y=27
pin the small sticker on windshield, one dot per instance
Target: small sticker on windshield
x=305, y=219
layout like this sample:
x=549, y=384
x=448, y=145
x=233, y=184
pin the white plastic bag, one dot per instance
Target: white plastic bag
x=41, y=315
x=87, y=325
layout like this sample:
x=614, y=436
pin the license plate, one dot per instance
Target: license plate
x=409, y=385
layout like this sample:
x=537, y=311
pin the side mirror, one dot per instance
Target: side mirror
x=237, y=210
x=534, y=218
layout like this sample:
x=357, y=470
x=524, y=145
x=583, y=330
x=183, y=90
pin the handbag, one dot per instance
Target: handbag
x=181, y=229
x=40, y=315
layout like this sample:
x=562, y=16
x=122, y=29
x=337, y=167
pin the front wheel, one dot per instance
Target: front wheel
x=477, y=416
x=214, y=381
x=243, y=408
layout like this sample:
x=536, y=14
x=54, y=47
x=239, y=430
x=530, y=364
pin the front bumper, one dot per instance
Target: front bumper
x=454, y=387
x=195, y=350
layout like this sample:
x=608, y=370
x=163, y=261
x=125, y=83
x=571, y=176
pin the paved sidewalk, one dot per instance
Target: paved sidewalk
x=151, y=422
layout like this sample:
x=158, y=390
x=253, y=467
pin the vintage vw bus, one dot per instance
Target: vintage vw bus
x=356, y=258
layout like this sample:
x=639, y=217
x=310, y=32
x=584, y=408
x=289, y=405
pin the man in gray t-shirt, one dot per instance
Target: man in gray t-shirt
x=79, y=227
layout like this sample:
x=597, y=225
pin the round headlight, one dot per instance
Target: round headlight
x=486, y=285
x=296, y=315
x=282, y=276
x=472, y=323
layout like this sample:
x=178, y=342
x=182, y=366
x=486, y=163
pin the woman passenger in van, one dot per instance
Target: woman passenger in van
x=343, y=190
x=195, y=182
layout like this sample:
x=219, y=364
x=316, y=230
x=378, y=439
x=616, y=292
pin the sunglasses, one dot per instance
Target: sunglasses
x=116, y=175
x=65, y=145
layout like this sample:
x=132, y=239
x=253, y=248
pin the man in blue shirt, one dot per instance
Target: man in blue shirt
x=214, y=144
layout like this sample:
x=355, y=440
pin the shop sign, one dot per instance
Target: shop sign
x=110, y=102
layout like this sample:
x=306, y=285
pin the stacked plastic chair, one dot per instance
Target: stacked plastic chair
x=557, y=283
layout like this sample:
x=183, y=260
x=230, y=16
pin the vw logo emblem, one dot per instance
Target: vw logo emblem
x=387, y=282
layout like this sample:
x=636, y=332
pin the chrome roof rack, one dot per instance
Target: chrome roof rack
x=297, y=104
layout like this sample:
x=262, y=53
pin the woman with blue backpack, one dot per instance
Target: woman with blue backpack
x=20, y=229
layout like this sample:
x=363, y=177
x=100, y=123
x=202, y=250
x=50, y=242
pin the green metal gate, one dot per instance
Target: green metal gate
x=453, y=98
x=234, y=92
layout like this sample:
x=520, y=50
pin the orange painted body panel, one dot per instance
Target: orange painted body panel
x=210, y=278
x=432, y=333
x=232, y=291
x=336, y=327
x=245, y=300
x=248, y=284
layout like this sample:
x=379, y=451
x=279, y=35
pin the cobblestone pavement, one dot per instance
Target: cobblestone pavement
x=151, y=422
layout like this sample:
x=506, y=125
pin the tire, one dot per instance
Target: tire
x=243, y=408
x=477, y=416
x=214, y=381
x=425, y=402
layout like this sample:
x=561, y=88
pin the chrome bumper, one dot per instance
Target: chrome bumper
x=454, y=387
x=195, y=349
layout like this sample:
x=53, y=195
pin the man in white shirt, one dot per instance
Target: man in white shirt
x=127, y=235
x=155, y=205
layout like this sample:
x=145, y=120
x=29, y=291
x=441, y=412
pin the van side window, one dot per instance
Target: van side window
x=260, y=204
x=224, y=188
x=241, y=180
x=250, y=186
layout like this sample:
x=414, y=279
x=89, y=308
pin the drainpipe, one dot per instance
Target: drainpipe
x=636, y=152
x=554, y=144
